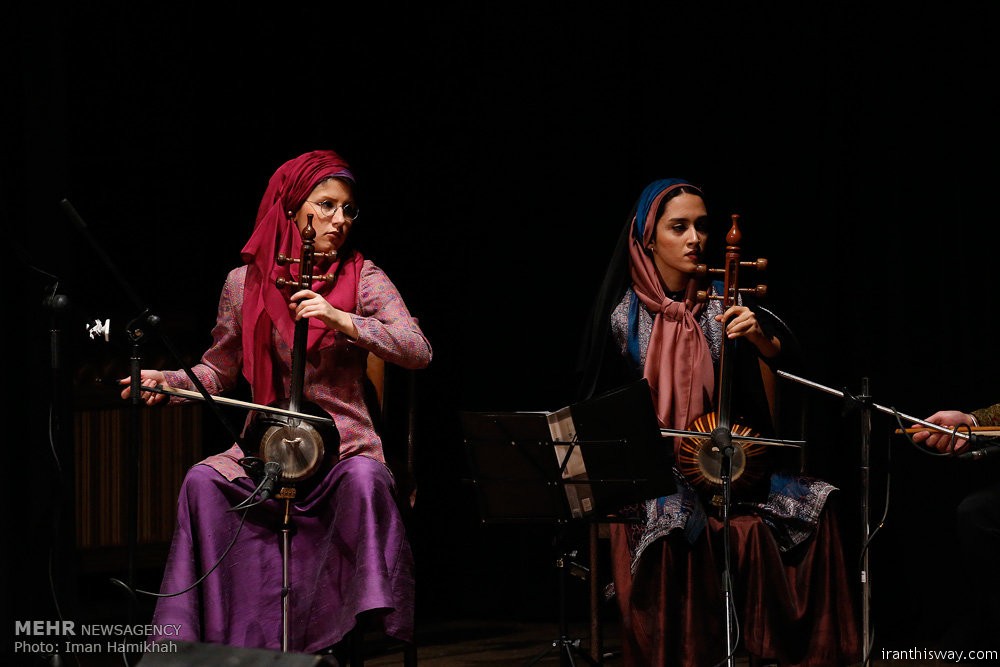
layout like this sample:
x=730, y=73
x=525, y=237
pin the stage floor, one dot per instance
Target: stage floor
x=465, y=643
x=472, y=643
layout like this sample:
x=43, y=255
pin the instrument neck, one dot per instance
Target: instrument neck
x=725, y=383
x=298, y=364
x=306, y=264
x=730, y=298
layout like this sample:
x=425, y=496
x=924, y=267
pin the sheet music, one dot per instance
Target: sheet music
x=579, y=496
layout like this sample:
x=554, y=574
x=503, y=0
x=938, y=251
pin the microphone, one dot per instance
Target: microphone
x=982, y=452
x=272, y=471
x=56, y=302
x=723, y=439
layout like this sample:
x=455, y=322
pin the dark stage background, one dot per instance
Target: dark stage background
x=499, y=148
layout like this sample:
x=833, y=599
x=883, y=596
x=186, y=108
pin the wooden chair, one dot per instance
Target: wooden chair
x=395, y=415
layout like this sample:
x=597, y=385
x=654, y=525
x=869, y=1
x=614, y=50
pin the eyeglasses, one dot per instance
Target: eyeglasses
x=327, y=209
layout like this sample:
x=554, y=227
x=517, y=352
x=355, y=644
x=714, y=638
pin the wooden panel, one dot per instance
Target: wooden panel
x=170, y=442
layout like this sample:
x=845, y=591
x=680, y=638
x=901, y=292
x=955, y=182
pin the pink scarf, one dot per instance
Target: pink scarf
x=678, y=362
x=265, y=306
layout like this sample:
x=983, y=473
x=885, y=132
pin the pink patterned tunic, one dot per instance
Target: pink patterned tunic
x=333, y=376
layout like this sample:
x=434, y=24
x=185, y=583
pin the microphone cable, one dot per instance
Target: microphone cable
x=133, y=591
x=925, y=450
x=272, y=471
x=241, y=506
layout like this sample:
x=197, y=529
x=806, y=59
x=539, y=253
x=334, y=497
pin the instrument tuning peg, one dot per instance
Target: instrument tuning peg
x=760, y=264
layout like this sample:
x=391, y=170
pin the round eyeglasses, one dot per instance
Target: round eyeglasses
x=327, y=209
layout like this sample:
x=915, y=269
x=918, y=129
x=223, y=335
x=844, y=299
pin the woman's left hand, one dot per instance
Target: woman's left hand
x=741, y=322
x=306, y=303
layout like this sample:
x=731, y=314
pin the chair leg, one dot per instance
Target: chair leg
x=354, y=655
x=410, y=655
x=356, y=647
x=596, y=627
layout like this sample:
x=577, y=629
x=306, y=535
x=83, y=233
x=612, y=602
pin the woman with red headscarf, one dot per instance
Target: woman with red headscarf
x=350, y=561
x=789, y=589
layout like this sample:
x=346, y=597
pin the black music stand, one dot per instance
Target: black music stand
x=580, y=463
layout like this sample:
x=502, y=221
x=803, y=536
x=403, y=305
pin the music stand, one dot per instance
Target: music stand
x=626, y=457
x=580, y=463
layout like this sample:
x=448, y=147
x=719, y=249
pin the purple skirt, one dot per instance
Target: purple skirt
x=348, y=555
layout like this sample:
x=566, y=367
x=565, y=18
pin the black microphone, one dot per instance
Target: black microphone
x=983, y=452
x=56, y=302
x=272, y=471
x=723, y=439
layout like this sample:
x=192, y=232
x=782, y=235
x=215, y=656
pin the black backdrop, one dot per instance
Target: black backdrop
x=499, y=147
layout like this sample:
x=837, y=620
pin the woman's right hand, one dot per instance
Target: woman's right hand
x=148, y=378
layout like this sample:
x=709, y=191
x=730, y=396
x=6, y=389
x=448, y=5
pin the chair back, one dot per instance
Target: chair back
x=391, y=398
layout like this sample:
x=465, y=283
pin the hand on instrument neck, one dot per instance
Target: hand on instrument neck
x=741, y=322
x=309, y=304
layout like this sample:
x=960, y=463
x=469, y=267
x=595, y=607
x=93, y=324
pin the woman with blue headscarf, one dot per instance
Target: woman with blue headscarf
x=788, y=575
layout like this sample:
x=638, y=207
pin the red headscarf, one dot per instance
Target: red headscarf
x=678, y=362
x=265, y=306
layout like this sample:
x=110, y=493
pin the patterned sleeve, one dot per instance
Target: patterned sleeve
x=988, y=416
x=220, y=365
x=385, y=326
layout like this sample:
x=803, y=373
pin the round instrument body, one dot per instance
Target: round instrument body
x=297, y=445
x=298, y=449
x=701, y=461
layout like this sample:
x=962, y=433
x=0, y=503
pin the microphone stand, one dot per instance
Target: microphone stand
x=722, y=441
x=146, y=317
x=865, y=403
x=722, y=438
x=137, y=335
x=59, y=416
